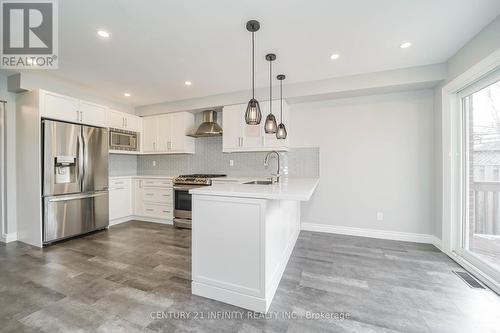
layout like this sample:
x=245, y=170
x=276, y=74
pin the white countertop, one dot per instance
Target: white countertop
x=142, y=176
x=300, y=189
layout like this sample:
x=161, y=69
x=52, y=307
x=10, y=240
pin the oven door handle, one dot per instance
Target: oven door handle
x=185, y=187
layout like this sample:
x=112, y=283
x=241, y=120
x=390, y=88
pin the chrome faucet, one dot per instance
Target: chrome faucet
x=266, y=163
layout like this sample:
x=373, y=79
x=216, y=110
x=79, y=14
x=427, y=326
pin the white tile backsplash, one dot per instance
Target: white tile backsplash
x=209, y=158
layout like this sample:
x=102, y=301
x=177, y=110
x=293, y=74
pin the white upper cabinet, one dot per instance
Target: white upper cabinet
x=238, y=136
x=149, y=134
x=60, y=107
x=115, y=119
x=133, y=123
x=92, y=114
x=124, y=121
x=163, y=130
x=167, y=134
x=232, y=118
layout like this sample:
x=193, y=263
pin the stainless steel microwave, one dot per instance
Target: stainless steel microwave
x=123, y=140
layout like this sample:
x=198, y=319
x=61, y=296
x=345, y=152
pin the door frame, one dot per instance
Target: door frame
x=452, y=168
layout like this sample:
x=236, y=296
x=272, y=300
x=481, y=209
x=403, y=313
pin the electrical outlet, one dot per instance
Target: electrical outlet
x=231, y=162
x=380, y=216
x=154, y=163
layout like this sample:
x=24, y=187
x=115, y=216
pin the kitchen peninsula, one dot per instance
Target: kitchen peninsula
x=242, y=238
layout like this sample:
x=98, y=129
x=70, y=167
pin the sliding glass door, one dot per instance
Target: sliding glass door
x=480, y=225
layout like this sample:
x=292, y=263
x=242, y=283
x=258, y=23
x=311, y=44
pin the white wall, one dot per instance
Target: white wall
x=483, y=44
x=438, y=164
x=376, y=154
x=10, y=154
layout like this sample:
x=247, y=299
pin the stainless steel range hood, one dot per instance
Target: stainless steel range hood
x=209, y=126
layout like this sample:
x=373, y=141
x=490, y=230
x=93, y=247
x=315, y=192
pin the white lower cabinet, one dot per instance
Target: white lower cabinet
x=120, y=199
x=141, y=198
x=154, y=198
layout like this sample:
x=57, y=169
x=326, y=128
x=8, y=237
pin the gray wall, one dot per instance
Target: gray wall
x=376, y=155
x=10, y=154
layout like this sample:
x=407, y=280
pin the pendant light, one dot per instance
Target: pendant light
x=281, y=133
x=253, y=114
x=270, y=126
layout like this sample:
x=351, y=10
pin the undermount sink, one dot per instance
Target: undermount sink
x=260, y=182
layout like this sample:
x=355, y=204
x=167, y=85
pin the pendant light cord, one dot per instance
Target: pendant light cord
x=270, y=87
x=281, y=101
x=253, y=65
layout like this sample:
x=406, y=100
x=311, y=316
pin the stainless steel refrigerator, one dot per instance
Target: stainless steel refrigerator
x=75, y=179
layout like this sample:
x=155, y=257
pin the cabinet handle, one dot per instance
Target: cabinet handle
x=166, y=211
x=77, y=115
x=169, y=145
x=242, y=141
x=126, y=123
x=81, y=115
x=149, y=209
x=149, y=194
x=239, y=141
x=154, y=145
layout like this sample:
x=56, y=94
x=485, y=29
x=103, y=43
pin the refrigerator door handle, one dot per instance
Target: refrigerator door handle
x=80, y=158
x=77, y=196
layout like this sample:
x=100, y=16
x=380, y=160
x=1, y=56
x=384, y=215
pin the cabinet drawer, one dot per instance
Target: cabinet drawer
x=156, y=183
x=159, y=211
x=163, y=196
x=120, y=184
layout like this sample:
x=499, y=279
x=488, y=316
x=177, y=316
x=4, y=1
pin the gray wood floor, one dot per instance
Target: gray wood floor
x=113, y=281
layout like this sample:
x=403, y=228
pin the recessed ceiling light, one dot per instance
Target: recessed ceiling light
x=188, y=83
x=405, y=45
x=103, y=33
x=127, y=94
x=335, y=56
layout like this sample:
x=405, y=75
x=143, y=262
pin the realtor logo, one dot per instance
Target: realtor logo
x=28, y=34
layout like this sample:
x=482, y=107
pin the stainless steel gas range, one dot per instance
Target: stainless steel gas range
x=182, y=198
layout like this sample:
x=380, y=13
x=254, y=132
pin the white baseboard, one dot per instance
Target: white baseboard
x=252, y=303
x=139, y=218
x=7, y=238
x=373, y=233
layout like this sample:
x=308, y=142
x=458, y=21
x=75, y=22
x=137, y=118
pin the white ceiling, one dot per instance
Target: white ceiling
x=157, y=45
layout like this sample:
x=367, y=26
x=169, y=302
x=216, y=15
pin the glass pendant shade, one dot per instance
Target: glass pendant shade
x=281, y=132
x=270, y=127
x=253, y=116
